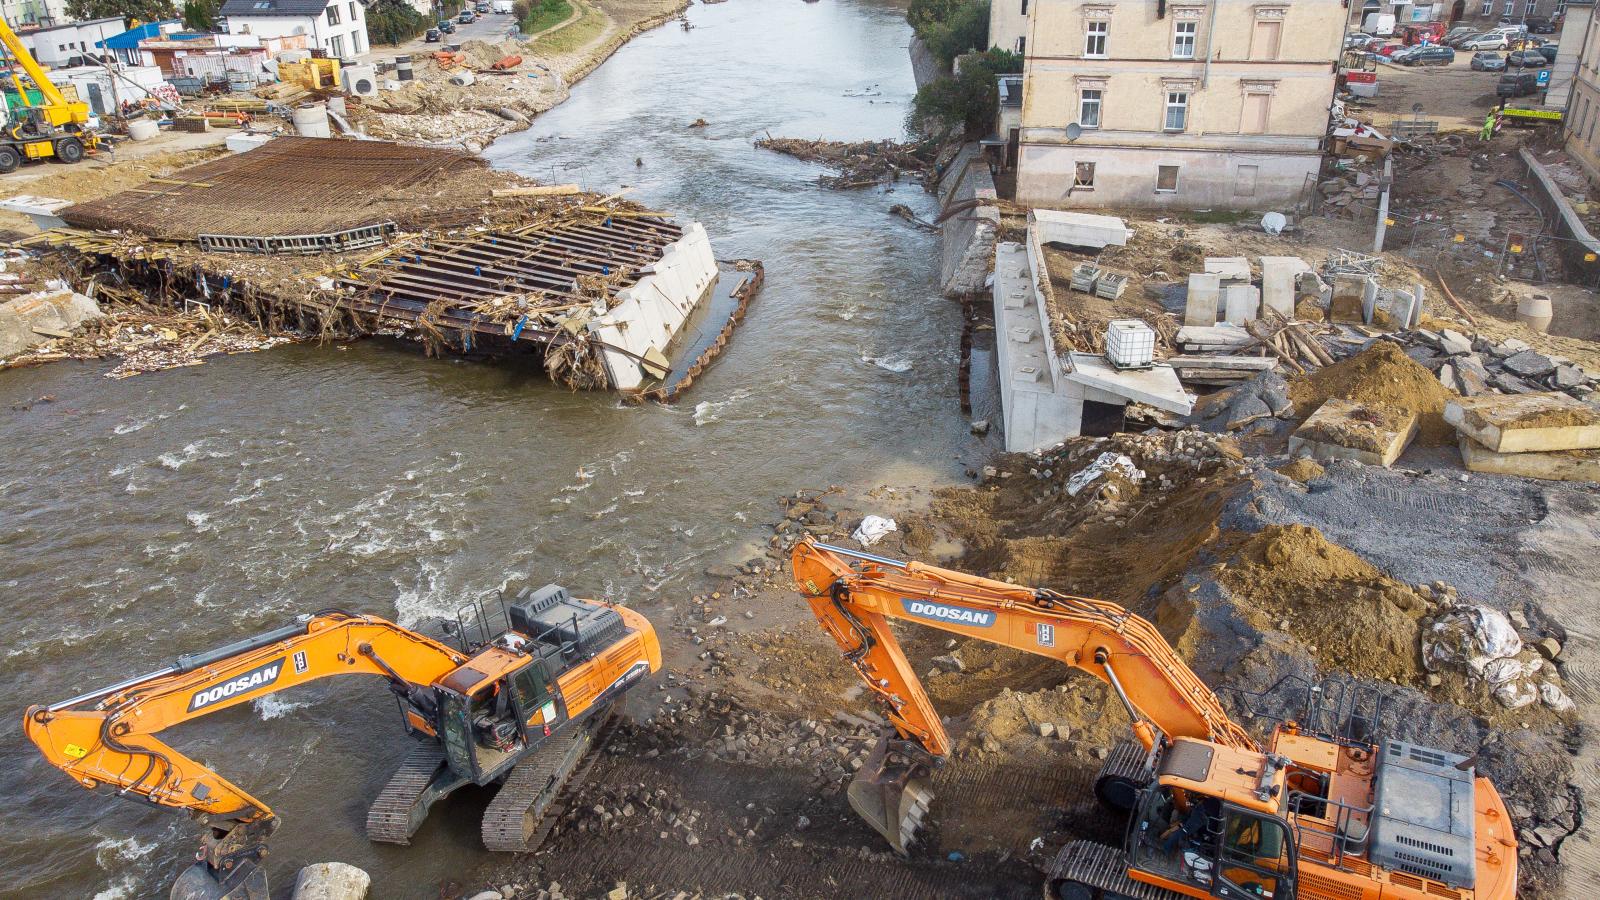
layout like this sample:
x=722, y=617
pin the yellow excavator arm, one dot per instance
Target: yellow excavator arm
x=854, y=595
x=108, y=737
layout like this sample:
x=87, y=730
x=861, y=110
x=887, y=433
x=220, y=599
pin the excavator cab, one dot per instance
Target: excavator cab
x=495, y=707
x=1188, y=841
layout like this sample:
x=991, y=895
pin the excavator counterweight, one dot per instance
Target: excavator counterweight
x=519, y=707
x=1211, y=813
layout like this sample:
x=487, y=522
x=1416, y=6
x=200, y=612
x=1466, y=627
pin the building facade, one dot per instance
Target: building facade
x=1581, y=123
x=57, y=45
x=1463, y=12
x=22, y=14
x=337, y=27
x=1188, y=104
x=1008, y=25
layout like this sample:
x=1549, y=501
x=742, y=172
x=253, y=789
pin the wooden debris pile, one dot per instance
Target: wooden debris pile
x=859, y=164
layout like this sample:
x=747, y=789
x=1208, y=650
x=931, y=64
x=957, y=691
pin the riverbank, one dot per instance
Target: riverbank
x=434, y=109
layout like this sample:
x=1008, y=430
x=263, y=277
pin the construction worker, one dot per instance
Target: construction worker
x=1488, y=125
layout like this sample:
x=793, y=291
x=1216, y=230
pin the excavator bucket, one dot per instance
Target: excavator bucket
x=890, y=794
x=200, y=882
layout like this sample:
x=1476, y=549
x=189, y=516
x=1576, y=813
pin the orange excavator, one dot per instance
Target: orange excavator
x=1320, y=814
x=517, y=705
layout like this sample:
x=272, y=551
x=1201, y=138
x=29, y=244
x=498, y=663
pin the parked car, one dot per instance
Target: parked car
x=466, y=17
x=433, y=36
x=1517, y=84
x=1526, y=59
x=1428, y=32
x=447, y=26
x=1430, y=55
x=1458, y=32
x=482, y=8
x=1549, y=51
x=1390, y=50
x=1542, y=26
x=1459, y=43
x=1488, y=61
x=1486, y=42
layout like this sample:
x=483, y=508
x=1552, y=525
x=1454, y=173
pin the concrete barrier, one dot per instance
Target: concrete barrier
x=648, y=313
x=331, y=881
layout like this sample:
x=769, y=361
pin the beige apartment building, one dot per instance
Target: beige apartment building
x=1171, y=103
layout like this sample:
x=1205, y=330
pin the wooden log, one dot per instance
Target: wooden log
x=542, y=190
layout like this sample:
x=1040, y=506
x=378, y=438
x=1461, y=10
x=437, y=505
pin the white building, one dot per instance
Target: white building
x=54, y=45
x=338, y=27
x=28, y=13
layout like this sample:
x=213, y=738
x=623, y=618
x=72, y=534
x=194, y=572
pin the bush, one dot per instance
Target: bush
x=392, y=22
x=966, y=102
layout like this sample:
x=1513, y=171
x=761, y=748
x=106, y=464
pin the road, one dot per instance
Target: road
x=492, y=27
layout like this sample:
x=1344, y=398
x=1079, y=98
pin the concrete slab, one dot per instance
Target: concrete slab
x=1525, y=423
x=1157, y=386
x=1242, y=303
x=1200, y=304
x=1342, y=429
x=1557, y=465
x=44, y=211
x=1038, y=408
x=1279, y=275
x=1229, y=268
x=1077, y=229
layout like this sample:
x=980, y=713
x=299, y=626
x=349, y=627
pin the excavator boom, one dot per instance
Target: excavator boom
x=854, y=594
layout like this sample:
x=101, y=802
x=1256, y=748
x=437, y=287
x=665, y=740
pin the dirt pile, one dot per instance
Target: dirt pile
x=1303, y=469
x=1381, y=376
x=1023, y=524
x=1350, y=616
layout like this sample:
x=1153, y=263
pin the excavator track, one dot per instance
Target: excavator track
x=1122, y=775
x=393, y=816
x=521, y=815
x=1086, y=870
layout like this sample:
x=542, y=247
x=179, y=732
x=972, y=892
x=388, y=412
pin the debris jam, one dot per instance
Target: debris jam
x=860, y=164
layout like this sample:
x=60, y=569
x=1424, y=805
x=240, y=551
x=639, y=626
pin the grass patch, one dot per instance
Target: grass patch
x=579, y=34
x=546, y=14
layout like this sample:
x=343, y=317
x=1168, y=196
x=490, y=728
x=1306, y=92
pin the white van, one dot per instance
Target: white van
x=501, y=6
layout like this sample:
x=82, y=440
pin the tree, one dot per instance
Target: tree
x=143, y=10
x=966, y=102
x=392, y=22
x=924, y=12
x=200, y=15
x=966, y=28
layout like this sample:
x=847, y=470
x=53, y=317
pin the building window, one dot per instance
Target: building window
x=1264, y=39
x=1177, y=110
x=1183, y=39
x=1024, y=7
x=1527, y=8
x=1487, y=9
x=333, y=15
x=1094, y=43
x=352, y=10
x=1561, y=8
x=1166, y=179
x=355, y=42
x=1089, y=108
x=1244, y=181
x=1084, y=176
x=1511, y=7
x=1022, y=45
x=1257, y=111
x=336, y=46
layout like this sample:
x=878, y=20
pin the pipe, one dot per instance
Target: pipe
x=857, y=554
x=1211, y=25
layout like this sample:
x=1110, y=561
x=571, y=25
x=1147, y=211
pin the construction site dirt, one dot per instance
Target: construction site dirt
x=159, y=515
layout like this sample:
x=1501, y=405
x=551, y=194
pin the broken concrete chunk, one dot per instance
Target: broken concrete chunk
x=1455, y=343
x=1549, y=648
x=1046, y=729
x=1511, y=384
x=1447, y=376
x=1529, y=364
x=1569, y=377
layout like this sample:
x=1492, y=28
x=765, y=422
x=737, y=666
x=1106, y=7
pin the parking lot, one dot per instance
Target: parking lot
x=1454, y=94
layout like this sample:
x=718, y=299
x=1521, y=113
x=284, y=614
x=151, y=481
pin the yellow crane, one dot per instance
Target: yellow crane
x=56, y=127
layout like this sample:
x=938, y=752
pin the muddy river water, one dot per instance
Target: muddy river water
x=176, y=511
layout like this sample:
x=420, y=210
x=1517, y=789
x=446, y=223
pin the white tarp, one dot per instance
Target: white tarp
x=872, y=529
x=1105, y=462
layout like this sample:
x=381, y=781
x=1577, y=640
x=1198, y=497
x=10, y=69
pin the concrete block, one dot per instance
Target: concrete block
x=1229, y=268
x=1557, y=465
x=1342, y=429
x=1349, y=292
x=1279, y=275
x=1419, y=298
x=1241, y=302
x=1157, y=386
x=1369, y=300
x=1078, y=229
x=1200, y=306
x=1400, y=303
x=1525, y=423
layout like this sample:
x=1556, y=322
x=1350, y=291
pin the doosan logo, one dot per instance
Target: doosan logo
x=239, y=684
x=944, y=612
